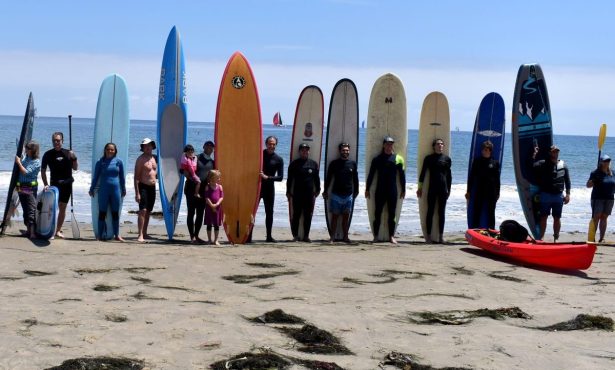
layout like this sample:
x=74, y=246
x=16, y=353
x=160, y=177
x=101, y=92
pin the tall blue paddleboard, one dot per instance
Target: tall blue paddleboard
x=531, y=127
x=112, y=125
x=172, y=129
x=489, y=125
x=12, y=200
x=342, y=127
x=47, y=212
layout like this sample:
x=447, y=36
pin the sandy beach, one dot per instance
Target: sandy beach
x=182, y=306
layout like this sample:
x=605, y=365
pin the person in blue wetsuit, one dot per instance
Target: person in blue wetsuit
x=439, y=166
x=109, y=175
x=602, y=182
x=387, y=166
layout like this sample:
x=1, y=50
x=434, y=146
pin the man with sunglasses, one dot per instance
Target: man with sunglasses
x=61, y=162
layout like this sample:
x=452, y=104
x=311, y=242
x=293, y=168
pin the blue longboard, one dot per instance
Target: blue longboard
x=172, y=129
x=12, y=199
x=489, y=125
x=47, y=212
x=112, y=125
x=531, y=127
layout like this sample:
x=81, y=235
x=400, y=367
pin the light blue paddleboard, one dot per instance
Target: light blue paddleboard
x=489, y=125
x=172, y=129
x=47, y=212
x=112, y=125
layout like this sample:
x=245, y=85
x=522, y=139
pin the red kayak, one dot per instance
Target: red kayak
x=578, y=256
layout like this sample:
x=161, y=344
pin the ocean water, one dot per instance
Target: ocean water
x=579, y=152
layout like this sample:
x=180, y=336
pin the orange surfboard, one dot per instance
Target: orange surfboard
x=239, y=151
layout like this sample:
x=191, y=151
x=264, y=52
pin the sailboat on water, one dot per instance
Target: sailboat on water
x=277, y=120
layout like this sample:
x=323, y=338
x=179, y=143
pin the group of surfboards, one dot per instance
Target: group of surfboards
x=239, y=156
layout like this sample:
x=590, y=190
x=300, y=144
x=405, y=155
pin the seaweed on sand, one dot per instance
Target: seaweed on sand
x=265, y=265
x=277, y=316
x=104, y=288
x=247, y=279
x=505, y=277
x=582, y=322
x=316, y=340
x=37, y=273
x=406, y=362
x=99, y=363
x=460, y=317
x=252, y=361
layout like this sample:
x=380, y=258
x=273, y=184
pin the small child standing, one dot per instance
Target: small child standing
x=213, y=199
x=188, y=165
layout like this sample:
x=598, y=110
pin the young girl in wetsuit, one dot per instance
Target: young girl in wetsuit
x=214, y=194
x=188, y=165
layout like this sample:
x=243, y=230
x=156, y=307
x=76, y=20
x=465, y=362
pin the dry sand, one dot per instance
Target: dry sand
x=169, y=304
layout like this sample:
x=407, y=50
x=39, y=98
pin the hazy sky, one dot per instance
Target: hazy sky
x=62, y=50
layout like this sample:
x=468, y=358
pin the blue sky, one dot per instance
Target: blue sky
x=62, y=50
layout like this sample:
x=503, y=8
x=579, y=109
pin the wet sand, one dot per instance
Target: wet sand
x=182, y=306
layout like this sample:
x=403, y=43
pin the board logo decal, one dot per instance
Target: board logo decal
x=435, y=124
x=490, y=133
x=307, y=132
x=238, y=82
x=388, y=99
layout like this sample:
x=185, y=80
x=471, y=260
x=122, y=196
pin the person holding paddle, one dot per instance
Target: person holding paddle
x=602, y=182
x=62, y=163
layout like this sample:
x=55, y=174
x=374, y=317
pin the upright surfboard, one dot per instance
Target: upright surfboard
x=111, y=125
x=47, y=212
x=434, y=124
x=172, y=129
x=342, y=127
x=531, y=127
x=307, y=129
x=489, y=125
x=386, y=116
x=239, y=150
x=12, y=199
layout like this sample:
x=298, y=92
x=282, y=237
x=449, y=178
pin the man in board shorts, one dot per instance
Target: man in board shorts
x=146, y=171
x=343, y=177
x=61, y=164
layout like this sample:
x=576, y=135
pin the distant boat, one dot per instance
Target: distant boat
x=277, y=120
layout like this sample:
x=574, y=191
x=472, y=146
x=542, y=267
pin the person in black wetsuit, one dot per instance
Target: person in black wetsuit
x=439, y=166
x=387, y=166
x=552, y=177
x=485, y=180
x=273, y=170
x=342, y=172
x=302, y=186
x=196, y=206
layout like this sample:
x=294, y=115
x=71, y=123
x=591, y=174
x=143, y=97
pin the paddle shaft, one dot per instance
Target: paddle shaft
x=70, y=147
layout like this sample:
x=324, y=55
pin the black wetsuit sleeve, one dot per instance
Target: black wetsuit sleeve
x=355, y=182
x=290, y=180
x=497, y=179
x=471, y=176
x=449, y=175
x=567, y=179
x=317, y=178
x=279, y=171
x=329, y=175
x=402, y=177
x=372, y=172
x=424, y=169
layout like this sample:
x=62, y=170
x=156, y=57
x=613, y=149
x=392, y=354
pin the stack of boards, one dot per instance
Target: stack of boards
x=172, y=129
x=342, y=127
x=307, y=129
x=386, y=116
x=112, y=125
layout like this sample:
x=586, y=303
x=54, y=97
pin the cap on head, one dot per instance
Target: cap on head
x=209, y=143
x=388, y=139
x=554, y=148
x=146, y=141
x=304, y=146
x=605, y=158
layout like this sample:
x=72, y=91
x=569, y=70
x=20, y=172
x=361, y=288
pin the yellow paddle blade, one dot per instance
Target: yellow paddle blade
x=602, y=136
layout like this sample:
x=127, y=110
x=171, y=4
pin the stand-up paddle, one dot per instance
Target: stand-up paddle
x=591, y=232
x=73, y=221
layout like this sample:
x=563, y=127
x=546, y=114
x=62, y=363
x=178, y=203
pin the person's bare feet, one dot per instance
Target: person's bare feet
x=59, y=234
x=216, y=243
x=140, y=239
x=392, y=240
x=119, y=238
